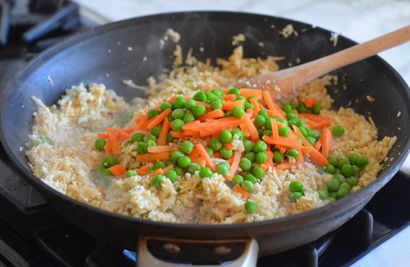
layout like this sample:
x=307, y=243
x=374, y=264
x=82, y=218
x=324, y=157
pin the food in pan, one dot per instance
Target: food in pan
x=199, y=151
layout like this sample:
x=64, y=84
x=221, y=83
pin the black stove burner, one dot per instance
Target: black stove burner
x=33, y=234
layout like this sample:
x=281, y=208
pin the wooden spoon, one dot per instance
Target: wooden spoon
x=284, y=81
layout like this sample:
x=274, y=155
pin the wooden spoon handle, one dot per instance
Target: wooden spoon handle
x=353, y=54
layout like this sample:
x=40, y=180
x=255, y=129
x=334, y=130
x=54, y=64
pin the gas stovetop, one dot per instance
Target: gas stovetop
x=33, y=234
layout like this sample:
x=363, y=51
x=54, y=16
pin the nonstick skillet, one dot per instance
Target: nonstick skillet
x=130, y=49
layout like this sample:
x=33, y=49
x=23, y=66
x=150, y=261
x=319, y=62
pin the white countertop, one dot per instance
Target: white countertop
x=359, y=20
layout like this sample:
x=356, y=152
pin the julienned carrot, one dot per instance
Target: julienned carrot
x=309, y=102
x=240, y=190
x=201, y=162
x=117, y=170
x=234, y=165
x=270, y=157
x=327, y=142
x=214, y=114
x=122, y=134
x=159, y=149
x=318, y=125
x=195, y=153
x=107, y=148
x=289, y=142
x=153, y=157
x=285, y=165
x=318, y=145
x=255, y=107
x=253, y=132
x=159, y=171
x=267, y=98
x=112, y=139
x=275, y=128
x=230, y=97
x=300, y=135
x=248, y=92
x=102, y=135
x=140, y=123
x=191, y=125
x=129, y=130
x=162, y=138
x=316, y=118
x=143, y=170
x=315, y=155
x=229, y=146
x=171, y=99
x=244, y=130
x=229, y=105
x=282, y=149
x=205, y=156
x=158, y=118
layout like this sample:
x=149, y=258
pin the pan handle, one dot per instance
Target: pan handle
x=167, y=252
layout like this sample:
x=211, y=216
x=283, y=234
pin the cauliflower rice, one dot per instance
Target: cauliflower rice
x=62, y=154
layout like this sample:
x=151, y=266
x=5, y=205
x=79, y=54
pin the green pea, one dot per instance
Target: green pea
x=285, y=122
x=179, y=102
x=352, y=181
x=292, y=152
x=352, y=158
x=268, y=124
x=323, y=194
x=296, y=186
x=109, y=161
x=151, y=143
x=331, y=199
x=248, y=186
x=216, y=104
x=316, y=109
x=267, y=133
x=205, y=172
x=332, y=160
x=194, y=168
x=210, y=151
x=251, y=156
x=284, y=131
x=247, y=106
x=239, y=97
x=184, y=162
x=251, y=178
x=277, y=157
x=179, y=171
x=340, y=178
x=259, y=120
x=356, y=170
x=156, y=181
x=259, y=146
x=248, y=145
x=198, y=110
x=291, y=116
x=164, y=106
x=177, y=125
x=158, y=165
x=200, y=96
x=287, y=108
x=190, y=103
x=245, y=164
x=263, y=113
x=261, y=157
x=152, y=113
x=138, y=137
x=238, y=133
x=188, y=117
x=217, y=92
x=258, y=172
x=100, y=144
x=343, y=191
x=142, y=148
x=362, y=162
x=210, y=97
x=311, y=140
x=178, y=113
x=215, y=144
x=187, y=147
x=347, y=170
x=225, y=153
x=171, y=175
x=330, y=168
x=236, y=179
x=222, y=169
x=251, y=206
x=225, y=136
x=252, y=97
x=149, y=137
x=176, y=155
x=130, y=173
x=301, y=108
x=343, y=160
x=338, y=130
x=333, y=185
x=238, y=112
x=156, y=131
x=293, y=197
x=234, y=90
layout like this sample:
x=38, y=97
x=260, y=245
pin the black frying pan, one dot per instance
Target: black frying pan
x=103, y=52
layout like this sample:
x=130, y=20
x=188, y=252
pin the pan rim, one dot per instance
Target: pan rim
x=306, y=216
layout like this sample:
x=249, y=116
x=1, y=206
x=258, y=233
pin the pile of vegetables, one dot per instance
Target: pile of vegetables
x=246, y=133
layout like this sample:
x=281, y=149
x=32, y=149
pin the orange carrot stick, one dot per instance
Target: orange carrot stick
x=143, y=170
x=275, y=128
x=140, y=123
x=159, y=171
x=289, y=142
x=248, y=92
x=195, y=153
x=327, y=142
x=267, y=98
x=256, y=107
x=117, y=170
x=239, y=189
x=162, y=139
x=230, y=97
x=153, y=157
x=159, y=149
x=318, y=145
x=253, y=132
x=315, y=156
x=234, y=165
x=285, y=165
x=171, y=99
x=309, y=102
x=102, y=135
x=107, y=148
x=112, y=139
x=158, y=118
x=214, y=114
x=206, y=157
x=121, y=134
x=229, y=105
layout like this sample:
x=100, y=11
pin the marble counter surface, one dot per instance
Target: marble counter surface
x=359, y=20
